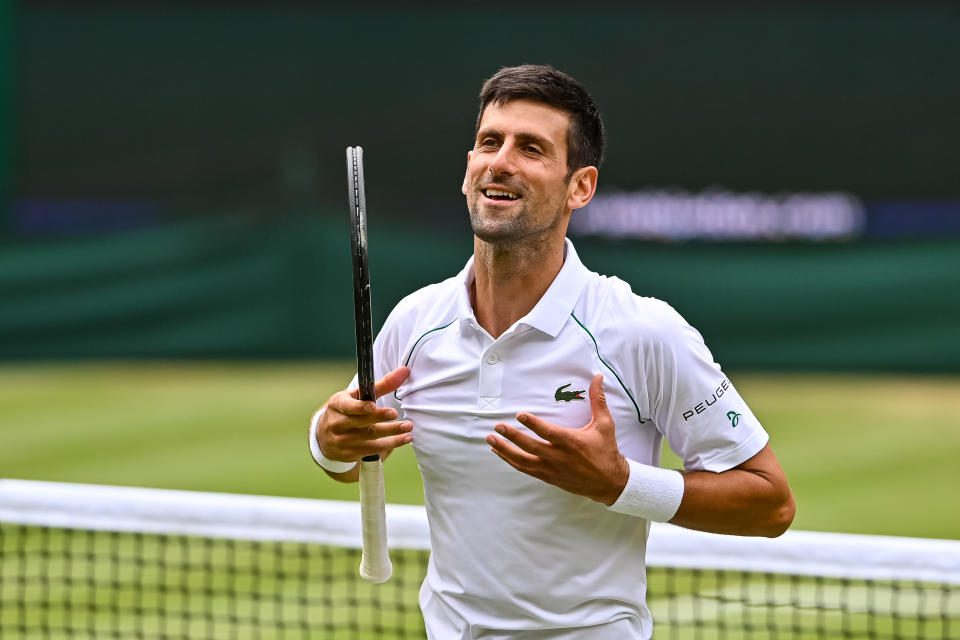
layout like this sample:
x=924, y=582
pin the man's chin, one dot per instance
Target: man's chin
x=495, y=226
x=494, y=234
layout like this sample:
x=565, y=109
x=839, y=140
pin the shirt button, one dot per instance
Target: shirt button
x=492, y=358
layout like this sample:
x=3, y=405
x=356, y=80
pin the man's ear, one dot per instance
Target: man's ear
x=463, y=187
x=583, y=184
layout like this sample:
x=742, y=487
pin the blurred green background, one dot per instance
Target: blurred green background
x=175, y=293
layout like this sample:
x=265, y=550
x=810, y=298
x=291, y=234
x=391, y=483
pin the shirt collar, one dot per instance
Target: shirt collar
x=553, y=309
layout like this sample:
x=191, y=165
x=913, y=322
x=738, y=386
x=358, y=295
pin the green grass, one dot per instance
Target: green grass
x=865, y=454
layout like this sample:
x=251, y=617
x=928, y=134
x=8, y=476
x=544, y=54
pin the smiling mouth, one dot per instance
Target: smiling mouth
x=500, y=194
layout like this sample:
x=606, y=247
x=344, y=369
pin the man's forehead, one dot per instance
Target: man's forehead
x=529, y=115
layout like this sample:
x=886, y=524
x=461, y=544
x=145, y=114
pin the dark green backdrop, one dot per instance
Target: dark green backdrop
x=244, y=286
x=7, y=55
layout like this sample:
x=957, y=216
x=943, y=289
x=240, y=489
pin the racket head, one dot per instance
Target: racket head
x=361, y=272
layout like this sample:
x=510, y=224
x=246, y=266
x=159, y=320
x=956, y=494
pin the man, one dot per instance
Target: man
x=537, y=394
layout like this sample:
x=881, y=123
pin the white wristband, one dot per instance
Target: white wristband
x=333, y=466
x=651, y=492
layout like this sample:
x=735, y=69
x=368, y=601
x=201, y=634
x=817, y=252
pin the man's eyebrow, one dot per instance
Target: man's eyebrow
x=523, y=137
x=483, y=133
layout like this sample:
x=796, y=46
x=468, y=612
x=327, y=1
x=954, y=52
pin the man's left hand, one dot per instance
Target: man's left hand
x=584, y=461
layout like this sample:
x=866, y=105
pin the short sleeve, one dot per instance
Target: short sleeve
x=696, y=407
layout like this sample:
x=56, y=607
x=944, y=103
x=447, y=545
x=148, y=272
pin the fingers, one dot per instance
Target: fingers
x=522, y=443
x=346, y=403
x=380, y=447
x=513, y=455
x=598, y=400
x=380, y=438
x=389, y=437
x=507, y=450
x=351, y=405
x=391, y=382
x=547, y=431
x=352, y=428
x=386, y=437
x=602, y=420
x=521, y=450
x=387, y=429
x=526, y=466
x=584, y=461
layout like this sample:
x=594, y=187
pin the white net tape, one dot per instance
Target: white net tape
x=218, y=515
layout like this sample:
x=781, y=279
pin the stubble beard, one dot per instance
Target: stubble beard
x=507, y=229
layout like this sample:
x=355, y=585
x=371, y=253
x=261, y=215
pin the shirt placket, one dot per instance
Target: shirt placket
x=492, y=366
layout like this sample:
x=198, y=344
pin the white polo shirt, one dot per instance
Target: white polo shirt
x=513, y=557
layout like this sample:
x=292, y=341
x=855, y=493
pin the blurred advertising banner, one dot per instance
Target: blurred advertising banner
x=719, y=215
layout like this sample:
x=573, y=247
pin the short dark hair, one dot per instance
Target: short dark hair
x=542, y=83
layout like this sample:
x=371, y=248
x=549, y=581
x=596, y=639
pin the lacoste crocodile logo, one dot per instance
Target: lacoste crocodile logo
x=566, y=396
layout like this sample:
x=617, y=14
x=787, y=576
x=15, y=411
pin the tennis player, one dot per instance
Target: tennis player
x=537, y=395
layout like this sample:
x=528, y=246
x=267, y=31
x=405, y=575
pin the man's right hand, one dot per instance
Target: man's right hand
x=351, y=428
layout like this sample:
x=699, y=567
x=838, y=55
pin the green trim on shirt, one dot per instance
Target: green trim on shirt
x=414, y=348
x=616, y=375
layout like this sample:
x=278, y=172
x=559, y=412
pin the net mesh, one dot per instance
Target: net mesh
x=161, y=574
x=58, y=582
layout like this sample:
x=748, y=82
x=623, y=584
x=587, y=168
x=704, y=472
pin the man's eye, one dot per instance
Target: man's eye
x=488, y=143
x=532, y=149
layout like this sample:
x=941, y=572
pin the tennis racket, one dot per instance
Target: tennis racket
x=375, y=563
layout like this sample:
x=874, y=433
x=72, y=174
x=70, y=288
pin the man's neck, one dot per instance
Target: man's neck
x=509, y=280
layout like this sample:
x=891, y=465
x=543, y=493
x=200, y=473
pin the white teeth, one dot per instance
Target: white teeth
x=490, y=193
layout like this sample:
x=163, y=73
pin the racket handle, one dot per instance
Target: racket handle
x=375, y=563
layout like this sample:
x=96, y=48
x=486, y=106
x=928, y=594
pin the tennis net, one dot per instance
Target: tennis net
x=84, y=561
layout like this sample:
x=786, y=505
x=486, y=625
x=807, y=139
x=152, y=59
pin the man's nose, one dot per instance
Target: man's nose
x=504, y=162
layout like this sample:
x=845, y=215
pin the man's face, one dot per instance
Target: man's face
x=516, y=181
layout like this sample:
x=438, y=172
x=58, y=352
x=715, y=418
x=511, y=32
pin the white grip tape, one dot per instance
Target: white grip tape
x=375, y=563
